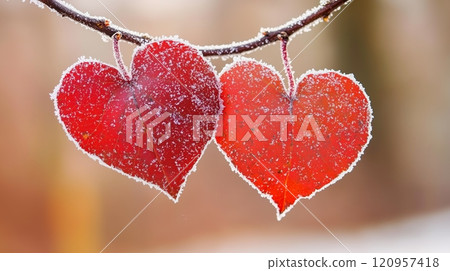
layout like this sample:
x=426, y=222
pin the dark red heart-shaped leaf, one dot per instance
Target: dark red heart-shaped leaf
x=142, y=127
x=288, y=148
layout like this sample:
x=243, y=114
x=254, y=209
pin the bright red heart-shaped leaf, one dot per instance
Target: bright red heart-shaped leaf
x=142, y=127
x=288, y=148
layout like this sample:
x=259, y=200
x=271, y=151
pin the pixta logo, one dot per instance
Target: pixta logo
x=308, y=128
x=142, y=122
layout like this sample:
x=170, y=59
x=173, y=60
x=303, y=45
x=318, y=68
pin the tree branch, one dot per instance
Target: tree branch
x=104, y=26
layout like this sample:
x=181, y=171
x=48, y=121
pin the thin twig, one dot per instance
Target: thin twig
x=104, y=26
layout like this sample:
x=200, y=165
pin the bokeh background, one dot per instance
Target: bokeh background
x=53, y=198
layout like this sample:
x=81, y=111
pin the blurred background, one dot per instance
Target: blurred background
x=53, y=198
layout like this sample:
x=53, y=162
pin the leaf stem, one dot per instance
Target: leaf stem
x=284, y=38
x=118, y=56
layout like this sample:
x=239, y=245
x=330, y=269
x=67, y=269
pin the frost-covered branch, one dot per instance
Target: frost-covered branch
x=99, y=24
x=268, y=36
